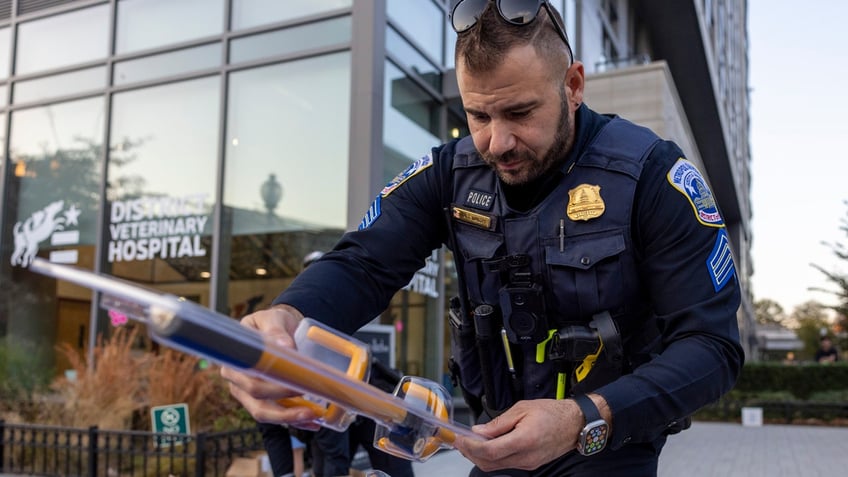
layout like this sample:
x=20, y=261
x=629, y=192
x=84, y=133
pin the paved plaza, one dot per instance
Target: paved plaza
x=710, y=449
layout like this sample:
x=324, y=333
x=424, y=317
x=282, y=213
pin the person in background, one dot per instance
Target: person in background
x=286, y=451
x=826, y=352
x=333, y=452
x=593, y=246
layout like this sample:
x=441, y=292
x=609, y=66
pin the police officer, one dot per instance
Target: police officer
x=593, y=247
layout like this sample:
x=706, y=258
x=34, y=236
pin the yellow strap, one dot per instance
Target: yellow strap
x=560, y=392
x=540, y=348
x=586, y=366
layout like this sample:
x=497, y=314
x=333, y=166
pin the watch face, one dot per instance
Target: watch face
x=593, y=438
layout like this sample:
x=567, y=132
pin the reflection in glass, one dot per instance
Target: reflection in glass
x=167, y=64
x=5, y=38
x=410, y=124
x=154, y=23
x=53, y=196
x=62, y=40
x=450, y=46
x=285, y=182
x=314, y=35
x=4, y=94
x=403, y=51
x=417, y=19
x=282, y=117
x=161, y=182
x=59, y=85
x=250, y=13
x=56, y=155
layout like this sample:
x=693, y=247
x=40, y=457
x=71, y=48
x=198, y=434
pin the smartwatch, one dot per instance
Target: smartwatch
x=593, y=436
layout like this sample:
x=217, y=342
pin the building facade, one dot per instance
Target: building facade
x=203, y=147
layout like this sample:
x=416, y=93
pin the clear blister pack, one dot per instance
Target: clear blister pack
x=328, y=367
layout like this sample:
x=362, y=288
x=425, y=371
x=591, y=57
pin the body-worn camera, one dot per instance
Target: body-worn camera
x=523, y=309
x=522, y=300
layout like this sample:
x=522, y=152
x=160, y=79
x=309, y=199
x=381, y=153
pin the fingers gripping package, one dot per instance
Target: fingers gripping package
x=330, y=368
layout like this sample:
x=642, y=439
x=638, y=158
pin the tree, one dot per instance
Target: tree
x=840, y=280
x=811, y=318
x=768, y=311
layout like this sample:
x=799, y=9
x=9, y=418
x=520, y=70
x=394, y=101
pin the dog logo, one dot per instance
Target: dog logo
x=34, y=230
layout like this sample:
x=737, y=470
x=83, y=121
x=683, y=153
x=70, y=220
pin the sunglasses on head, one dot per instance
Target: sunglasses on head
x=516, y=12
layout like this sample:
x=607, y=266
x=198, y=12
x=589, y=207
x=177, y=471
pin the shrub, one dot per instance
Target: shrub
x=126, y=382
x=22, y=378
x=108, y=395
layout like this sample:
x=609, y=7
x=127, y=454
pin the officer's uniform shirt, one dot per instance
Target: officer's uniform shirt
x=674, y=243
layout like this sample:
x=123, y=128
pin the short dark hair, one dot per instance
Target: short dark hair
x=483, y=47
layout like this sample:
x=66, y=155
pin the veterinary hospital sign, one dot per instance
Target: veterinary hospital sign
x=156, y=227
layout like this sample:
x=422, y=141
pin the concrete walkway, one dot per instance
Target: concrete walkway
x=722, y=450
x=710, y=449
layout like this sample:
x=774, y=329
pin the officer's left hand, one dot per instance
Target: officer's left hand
x=529, y=434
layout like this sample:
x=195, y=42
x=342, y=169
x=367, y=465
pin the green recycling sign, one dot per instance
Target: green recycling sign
x=170, y=419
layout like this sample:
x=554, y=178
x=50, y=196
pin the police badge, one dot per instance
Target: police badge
x=585, y=202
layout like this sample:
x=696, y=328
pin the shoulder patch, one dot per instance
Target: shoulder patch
x=720, y=261
x=410, y=171
x=372, y=215
x=686, y=178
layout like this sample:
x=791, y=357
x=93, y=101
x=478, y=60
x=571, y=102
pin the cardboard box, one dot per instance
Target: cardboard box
x=244, y=467
x=253, y=466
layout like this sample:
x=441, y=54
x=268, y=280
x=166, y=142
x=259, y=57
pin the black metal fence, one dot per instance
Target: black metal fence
x=64, y=451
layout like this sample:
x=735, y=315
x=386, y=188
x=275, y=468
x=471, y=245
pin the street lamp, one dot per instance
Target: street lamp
x=271, y=192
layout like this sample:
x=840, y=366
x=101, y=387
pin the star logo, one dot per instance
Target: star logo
x=71, y=215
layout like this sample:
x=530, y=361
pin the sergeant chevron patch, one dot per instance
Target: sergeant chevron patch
x=720, y=261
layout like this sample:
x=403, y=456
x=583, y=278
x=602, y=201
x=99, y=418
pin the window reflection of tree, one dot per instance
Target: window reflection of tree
x=71, y=174
x=124, y=186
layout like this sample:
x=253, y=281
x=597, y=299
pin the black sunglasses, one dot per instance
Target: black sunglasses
x=516, y=12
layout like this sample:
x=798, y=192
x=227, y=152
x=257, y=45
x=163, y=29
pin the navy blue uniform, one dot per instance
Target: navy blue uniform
x=673, y=272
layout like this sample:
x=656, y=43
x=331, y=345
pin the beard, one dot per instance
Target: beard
x=534, y=166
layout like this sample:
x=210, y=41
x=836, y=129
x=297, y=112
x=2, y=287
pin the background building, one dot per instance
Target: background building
x=203, y=147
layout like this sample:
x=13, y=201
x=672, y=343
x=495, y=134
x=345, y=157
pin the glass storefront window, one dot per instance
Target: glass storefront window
x=251, y=13
x=53, y=202
x=161, y=185
x=411, y=121
x=145, y=24
x=5, y=39
x=63, y=40
x=450, y=46
x=403, y=51
x=56, y=155
x=278, y=123
x=423, y=21
x=285, y=180
x=79, y=81
x=313, y=35
x=167, y=64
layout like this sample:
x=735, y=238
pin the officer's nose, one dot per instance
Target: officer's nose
x=501, y=139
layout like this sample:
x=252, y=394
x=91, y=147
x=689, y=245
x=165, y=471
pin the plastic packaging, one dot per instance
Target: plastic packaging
x=416, y=422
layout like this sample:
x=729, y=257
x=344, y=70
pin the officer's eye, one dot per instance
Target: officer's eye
x=479, y=117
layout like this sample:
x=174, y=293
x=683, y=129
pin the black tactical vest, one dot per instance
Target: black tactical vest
x=566, y=259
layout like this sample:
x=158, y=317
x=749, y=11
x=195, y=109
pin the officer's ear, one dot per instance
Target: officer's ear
x=575, y=81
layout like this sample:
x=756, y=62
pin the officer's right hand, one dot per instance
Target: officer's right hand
x=258, y=396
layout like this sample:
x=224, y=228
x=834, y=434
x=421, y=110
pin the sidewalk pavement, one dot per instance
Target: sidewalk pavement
x=711, y=449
